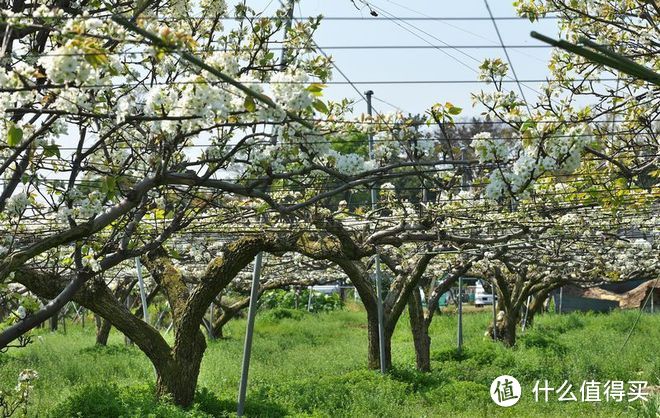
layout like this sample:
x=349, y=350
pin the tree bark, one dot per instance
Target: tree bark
x=103, y=327
x=420, y=333
x=374, y=343
x=506, y=329
x=54, y=321
x=177, y=376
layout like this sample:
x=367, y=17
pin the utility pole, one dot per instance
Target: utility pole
x=379, y=284
x=287, y=27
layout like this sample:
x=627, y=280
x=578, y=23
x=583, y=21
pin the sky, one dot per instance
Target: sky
x=366, y=66
x=429, y=64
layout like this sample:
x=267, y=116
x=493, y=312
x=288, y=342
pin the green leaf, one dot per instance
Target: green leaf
x=14, y=136
x=261, y=209
x=528, y=124
x=453, y=110
x=160, y=54
x=96, y=59
x=320, y=106
x=52, y=150
x=250, y=105
x=316, y=89
x=173, y=253
x=109, y=186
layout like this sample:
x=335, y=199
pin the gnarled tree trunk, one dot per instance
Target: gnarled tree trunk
x=420, y=332
x=507, y=322
x=177, y=376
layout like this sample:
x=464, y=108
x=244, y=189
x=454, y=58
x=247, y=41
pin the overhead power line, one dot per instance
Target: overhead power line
x=328, y=18
x=508, y=58
x=358, y=82
x=280, y=48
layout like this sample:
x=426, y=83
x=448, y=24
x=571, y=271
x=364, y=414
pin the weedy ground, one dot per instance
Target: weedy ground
x=315, y=365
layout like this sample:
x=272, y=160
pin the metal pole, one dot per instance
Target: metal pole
x=129, y=305
x=309, y=298
x=465, y=177
x=256, y=274
x=287, y=27
x=494, y=313
x=381, y=322
x=247, y=349
x=64, y=319
x=524, y=324
x=379, y=284
x=561, y=297
x=652, y=297
x=460, y=315
x=210, y=331
x=143, y=298
x=143, y=295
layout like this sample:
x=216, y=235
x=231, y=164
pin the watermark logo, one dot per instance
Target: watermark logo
x=505, y=391
x=592, y=391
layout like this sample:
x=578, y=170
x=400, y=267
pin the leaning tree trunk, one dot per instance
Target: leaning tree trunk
x=177, y=377
x=103, y=327
x=220, y=323
x=374, y=343
x=420, y=333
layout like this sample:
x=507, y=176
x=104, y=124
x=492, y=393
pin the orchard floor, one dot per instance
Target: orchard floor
x=316, y=366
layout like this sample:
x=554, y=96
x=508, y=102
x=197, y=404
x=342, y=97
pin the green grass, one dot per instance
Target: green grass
x=316, y=366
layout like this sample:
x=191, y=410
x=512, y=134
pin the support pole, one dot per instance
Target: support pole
x=652, y=297
x=143, y=294
x=381, y=319
x=143, y=298
x=210, y=331
x=129, y=305
x=66, y=310
x=524, y=324
x=379, y=284
x=287, y=27
x=561, y=297
x=460, y=315
x=247, y=349
x=309, y=298
x=494, y=313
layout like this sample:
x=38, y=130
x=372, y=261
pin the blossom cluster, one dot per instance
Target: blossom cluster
x=290, y=90
x=17, y=204
x=531, y=158
x=490, y=149
x=349, y=164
